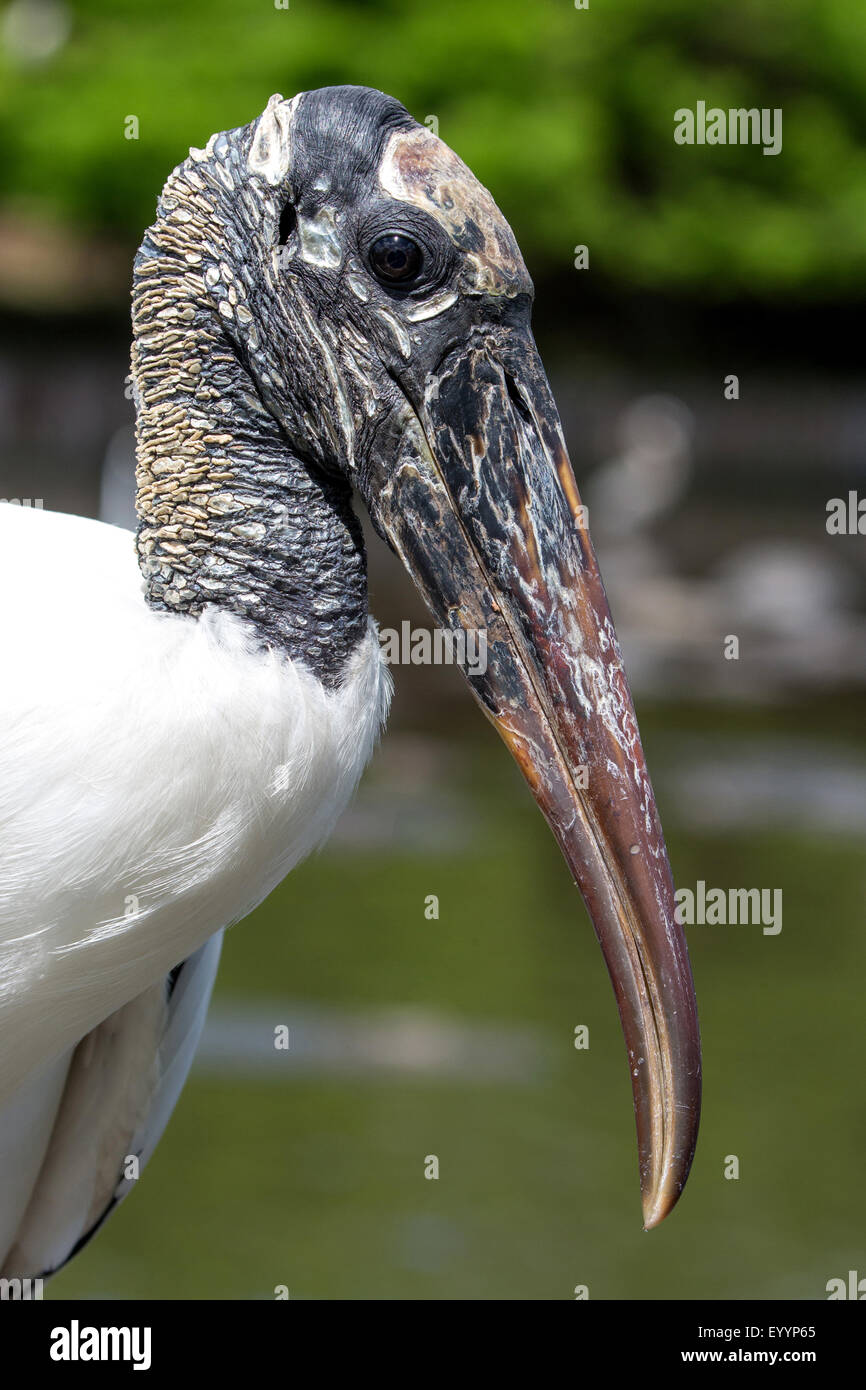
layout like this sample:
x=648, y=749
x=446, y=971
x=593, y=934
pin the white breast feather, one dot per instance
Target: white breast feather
x=160, y=775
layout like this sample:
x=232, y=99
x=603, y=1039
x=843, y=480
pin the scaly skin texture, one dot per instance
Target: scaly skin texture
x=230, y=513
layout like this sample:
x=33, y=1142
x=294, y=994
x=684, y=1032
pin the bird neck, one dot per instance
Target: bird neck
x=228, y=515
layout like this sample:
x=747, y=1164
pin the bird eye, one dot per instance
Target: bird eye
x=396, y=259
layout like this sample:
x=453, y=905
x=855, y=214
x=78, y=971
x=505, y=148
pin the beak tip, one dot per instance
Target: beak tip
x=656, y=1206
x=659, y=1198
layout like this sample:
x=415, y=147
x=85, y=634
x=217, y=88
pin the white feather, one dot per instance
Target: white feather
x=26, y=1122
x=160, y=775
x=123, y=1082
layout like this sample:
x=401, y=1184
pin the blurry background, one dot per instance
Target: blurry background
x=455, y=1037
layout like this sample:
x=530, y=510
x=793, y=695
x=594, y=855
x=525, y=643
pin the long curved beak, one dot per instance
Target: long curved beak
x=482, y=506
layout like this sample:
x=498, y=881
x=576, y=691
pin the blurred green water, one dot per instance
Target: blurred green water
x=317, y=1182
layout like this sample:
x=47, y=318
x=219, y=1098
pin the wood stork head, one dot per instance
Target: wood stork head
x=336, y=282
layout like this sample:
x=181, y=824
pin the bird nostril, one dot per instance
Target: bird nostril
x=520, y=406
x=288, y=222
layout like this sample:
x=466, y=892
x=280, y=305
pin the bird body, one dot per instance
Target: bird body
x=328, y=301
x=161, y=774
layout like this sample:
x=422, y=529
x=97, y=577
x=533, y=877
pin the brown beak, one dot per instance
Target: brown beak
x=483, y=508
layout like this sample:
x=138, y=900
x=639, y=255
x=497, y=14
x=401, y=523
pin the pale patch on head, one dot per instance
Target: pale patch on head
x=358, y=287
x=419, y=168
x=320, y=244
x=270, y=153
x=400, y=335
x=429, y=308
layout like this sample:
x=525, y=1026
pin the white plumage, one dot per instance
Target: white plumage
x=161, y=775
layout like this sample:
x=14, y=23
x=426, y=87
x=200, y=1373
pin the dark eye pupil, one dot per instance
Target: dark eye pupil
x=395, y=259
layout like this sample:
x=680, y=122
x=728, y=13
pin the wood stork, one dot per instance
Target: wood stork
x=327, y=300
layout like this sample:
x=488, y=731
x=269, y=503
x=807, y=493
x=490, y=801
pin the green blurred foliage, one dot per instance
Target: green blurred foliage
x=567, y=115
